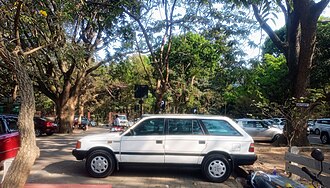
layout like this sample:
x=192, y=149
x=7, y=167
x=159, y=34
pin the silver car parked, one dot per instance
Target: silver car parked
x=321, y=124
x=259, y=130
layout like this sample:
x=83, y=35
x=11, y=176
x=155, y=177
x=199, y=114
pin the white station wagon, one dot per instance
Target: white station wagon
x=215, y=144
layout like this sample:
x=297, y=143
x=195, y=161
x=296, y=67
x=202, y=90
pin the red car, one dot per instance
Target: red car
x=9, y=138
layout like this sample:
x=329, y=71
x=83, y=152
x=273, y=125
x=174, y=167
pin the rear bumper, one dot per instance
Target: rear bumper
x=79, y=154
x=50, y=130
x=244, y=159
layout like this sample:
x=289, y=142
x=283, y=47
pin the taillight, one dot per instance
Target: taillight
x=78, y=145
x=251, y=148
x=49, y=124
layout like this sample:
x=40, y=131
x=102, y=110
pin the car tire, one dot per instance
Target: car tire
x=100, y=164
x=276, y=137
x=49, y=134
x=325, y=139
x=317, y=131
x=38, y=132
x=216, y=168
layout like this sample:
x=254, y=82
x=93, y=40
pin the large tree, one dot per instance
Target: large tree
x=298, y=47
x=14, y=54
x=60, y=71
x=156, y=22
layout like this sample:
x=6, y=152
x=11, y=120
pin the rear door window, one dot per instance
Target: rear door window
x=220, y=128
x=184, y=127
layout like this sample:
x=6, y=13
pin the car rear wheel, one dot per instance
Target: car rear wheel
x=49, y=134
x=277, y=136
x=325, y=138
x=100, y=164
x=38, y=132
x=216, y=168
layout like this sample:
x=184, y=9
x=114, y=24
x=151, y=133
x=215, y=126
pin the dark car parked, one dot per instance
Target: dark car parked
x=44, y=126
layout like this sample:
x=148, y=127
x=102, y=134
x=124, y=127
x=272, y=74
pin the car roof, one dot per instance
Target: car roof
x=196, y=116
x=249, y=119
x=324, y=119
x=9, y=115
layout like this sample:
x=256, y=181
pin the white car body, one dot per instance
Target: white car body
x=167, y=148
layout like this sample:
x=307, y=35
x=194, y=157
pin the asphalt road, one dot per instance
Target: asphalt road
x=314, y=139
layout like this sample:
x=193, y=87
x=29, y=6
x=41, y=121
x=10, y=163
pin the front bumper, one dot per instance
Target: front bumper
x=244, y=159
x=79, y=154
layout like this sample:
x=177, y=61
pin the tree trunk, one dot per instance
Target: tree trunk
x=65, y=112
x=20, y=168
x=301, y=38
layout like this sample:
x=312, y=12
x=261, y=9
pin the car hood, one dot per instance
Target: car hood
x=101, y=137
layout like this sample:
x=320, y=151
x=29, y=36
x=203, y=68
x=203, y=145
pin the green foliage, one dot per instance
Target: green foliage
x=193, y=61
x=320, y=77
x=269, y=47
x=271, y=77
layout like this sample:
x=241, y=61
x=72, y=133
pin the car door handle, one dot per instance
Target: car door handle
x=201, y=141
x=159, y=141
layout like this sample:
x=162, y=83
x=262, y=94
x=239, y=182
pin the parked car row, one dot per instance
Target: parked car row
x=260, y=130
x=83, y=123
x=41, y=125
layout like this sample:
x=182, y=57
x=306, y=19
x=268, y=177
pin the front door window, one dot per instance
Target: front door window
x=145, y=142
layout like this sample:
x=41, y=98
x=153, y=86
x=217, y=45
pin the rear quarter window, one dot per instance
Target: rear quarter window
x=12, y=124
x=220, y=128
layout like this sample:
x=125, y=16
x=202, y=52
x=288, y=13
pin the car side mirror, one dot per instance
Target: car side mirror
x=318, y=155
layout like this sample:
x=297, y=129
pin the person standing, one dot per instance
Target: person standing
x=117, y=121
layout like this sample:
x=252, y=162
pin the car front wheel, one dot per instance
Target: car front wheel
x=100, y=164
x=325, y=138
x=216, y=168
x=317, y=131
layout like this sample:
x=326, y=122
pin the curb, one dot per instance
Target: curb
x=67, y=186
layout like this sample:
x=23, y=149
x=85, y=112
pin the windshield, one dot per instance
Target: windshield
x=122, y=117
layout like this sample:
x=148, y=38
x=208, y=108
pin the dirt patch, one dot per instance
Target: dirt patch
x=270, y=158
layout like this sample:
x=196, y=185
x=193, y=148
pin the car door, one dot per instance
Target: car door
x=263, y=132
x=9, y=141
x=250, y=128
x=184, y=141
x=144, y=143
